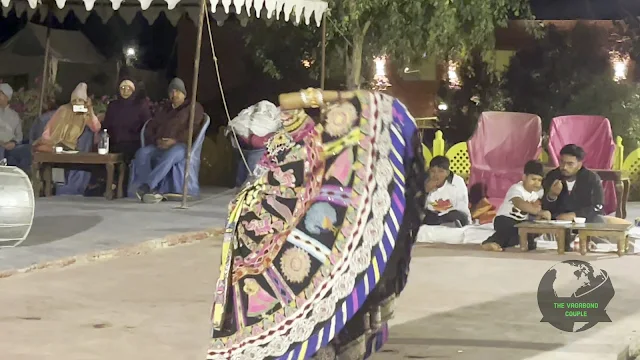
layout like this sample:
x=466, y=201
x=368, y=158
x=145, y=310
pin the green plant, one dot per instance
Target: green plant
x=100, y=104
x=570, y=73
x=26, y=102
x=546, y=78
x=404, y=30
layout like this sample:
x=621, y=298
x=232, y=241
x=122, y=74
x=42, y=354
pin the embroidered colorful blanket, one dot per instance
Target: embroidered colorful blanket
x=309, y=237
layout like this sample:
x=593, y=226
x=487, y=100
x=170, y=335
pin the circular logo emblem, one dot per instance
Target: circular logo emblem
x=573, y=296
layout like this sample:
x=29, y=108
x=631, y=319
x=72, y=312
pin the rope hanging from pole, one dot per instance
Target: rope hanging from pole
x=192, y=105
x=224, y=99
x=196, y=69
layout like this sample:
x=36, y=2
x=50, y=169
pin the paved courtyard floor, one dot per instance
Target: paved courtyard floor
x=66, y=226
x=460, y=304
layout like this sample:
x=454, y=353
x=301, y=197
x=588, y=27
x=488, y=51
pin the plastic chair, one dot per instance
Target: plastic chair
x=174, y=181
x=502, y=143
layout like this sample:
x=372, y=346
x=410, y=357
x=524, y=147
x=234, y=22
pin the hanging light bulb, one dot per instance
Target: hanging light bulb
x=380, y=79
x=452, y=74
x=620, y=65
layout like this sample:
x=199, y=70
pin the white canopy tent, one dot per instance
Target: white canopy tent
x=297, y=10
x=151, y=9
x=70, y=53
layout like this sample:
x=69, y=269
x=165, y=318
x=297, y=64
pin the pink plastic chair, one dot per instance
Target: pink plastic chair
x=593, y=134
x=500, y=147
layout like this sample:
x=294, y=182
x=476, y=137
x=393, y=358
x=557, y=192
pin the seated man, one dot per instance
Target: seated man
x=11, y=132
x=21, y=156
x=521, y=202
x=167, y=133
x=572, y=190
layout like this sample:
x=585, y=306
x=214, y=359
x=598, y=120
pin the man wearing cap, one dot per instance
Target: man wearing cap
x=167, y=135
x=10, y=130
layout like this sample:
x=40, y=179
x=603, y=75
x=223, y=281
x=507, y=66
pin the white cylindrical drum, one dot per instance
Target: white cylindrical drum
x=17, y=205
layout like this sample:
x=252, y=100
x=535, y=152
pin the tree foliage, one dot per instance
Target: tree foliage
x=570, y=73
x=479, y=91
x=544, y=79
x=358, y=30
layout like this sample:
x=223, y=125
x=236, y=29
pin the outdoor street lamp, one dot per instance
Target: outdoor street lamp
x=130, y=55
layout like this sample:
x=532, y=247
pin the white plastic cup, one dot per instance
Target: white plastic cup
x=58, y=149
x=102, y=151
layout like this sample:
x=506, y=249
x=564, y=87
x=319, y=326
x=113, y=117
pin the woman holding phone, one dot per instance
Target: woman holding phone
x=68, y=123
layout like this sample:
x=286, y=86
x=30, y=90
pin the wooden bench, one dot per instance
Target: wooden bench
x=615, y=232
x=43, y=164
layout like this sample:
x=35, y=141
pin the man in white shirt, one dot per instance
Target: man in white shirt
x=447, y=196
x=522, y=202
x=10, y=126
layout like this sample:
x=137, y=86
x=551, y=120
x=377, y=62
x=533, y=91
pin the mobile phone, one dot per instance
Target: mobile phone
x=80, y=109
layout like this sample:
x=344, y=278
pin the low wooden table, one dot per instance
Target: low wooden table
x=622, y=182
x=611, y=231
x=45, y=162
x=559, y=230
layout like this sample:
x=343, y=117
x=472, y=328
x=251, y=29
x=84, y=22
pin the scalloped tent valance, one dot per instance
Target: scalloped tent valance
x=174, y=9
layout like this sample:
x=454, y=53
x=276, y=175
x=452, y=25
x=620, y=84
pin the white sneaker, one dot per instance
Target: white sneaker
x=152, y=198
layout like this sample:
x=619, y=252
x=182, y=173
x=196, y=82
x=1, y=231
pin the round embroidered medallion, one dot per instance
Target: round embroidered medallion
x=295, y=264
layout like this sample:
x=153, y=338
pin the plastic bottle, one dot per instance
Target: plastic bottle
x=103, y=145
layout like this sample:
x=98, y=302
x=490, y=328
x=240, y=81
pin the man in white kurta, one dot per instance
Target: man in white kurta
x=10, y=128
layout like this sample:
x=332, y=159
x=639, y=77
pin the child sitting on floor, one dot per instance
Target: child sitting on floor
x=447, y=196
x=521, y=202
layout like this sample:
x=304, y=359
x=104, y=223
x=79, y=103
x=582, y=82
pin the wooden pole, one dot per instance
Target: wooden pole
x=324, y=50
x=192, y=109
x=45, y=70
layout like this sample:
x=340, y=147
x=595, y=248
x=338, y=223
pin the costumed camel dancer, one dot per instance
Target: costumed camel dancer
x=318, y=242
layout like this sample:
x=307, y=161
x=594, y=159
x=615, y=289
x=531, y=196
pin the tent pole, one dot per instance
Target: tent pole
x=192, y=106
x=324, y=49
x=45, y=70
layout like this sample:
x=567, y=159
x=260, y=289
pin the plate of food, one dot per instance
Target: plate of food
x=555, y=222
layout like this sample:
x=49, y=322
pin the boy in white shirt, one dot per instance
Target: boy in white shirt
x=522, y=202
x=447, y=196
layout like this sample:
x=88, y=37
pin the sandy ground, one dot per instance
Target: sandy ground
x=460, y=304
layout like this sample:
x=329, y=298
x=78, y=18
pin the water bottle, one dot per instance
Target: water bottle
x=103, y=145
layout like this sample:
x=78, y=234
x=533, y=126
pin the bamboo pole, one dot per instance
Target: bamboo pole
x=192, y=109
x=45, y=69
x=324, y=50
